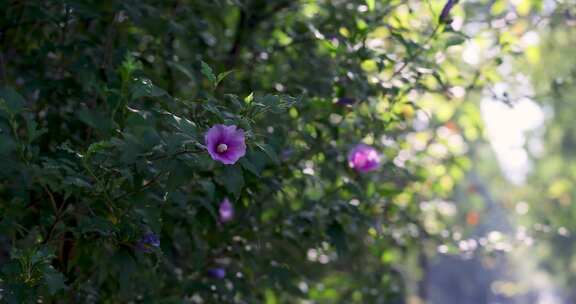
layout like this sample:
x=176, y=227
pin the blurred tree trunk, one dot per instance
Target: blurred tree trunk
x=423, y=284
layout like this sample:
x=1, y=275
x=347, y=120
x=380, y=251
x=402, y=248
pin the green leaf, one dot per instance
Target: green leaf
x=338, y=237
x=7, y=146
x=208, y=72
x=269, y=152
x=76, y=181
x=151, y=214
x=221, y=77
x=33, y=131
x=98, y=146
x=454, y=40
x=208, y=188
x=125, y=268
x=129, y=65
x=232, y=179
x=371, y=5
x=270, y=297
x=96, y=119
x=13, y=102
x=96, y=224
x=209, y=207
x=183, y=69
x=183, y=125
x=54, y=281
x=145, y=88
x=246, y=164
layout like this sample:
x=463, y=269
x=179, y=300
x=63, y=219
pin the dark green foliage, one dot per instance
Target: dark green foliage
x=103, y=109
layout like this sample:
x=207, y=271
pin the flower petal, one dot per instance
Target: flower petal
x=232, y=137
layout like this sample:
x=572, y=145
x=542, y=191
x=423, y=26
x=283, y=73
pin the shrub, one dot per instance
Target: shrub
x=110, y=192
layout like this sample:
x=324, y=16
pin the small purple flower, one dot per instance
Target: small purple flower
x=148, y=242
x=345, y=101
x=364, y=158
x=225, y=143
x=445, y=14
x=226, y=211
x=286, y=153
x=217, y=272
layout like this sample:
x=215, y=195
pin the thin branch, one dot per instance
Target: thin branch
x=52, y=200
x=107, y=200
x=415, y=54
x=146, y=185
x=59, y=214
x=160, y=157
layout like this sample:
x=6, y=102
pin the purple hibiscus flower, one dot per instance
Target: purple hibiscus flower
x=217, y=272
x=148, y=242
x=225, y=143
x=226, y=211
x=364, y=158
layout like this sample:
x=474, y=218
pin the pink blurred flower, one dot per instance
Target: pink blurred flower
x=225, y=143
x=364, y=158
x=226, y=211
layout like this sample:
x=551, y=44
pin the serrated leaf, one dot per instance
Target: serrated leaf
x=212, y=109
x=269, y=152
x=183, y=125
x=98, y=146
x=234, y=100
x=209, y=207
x=246, y=164
x=208, y=188
x=221, y=77
x=54, y=281
x=208, y=72
x=33, y=131
x=145, y=88
x=96, y=224
x=232, y=179
x=13, y=102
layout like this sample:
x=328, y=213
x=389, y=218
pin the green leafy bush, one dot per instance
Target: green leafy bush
x=107, y=191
